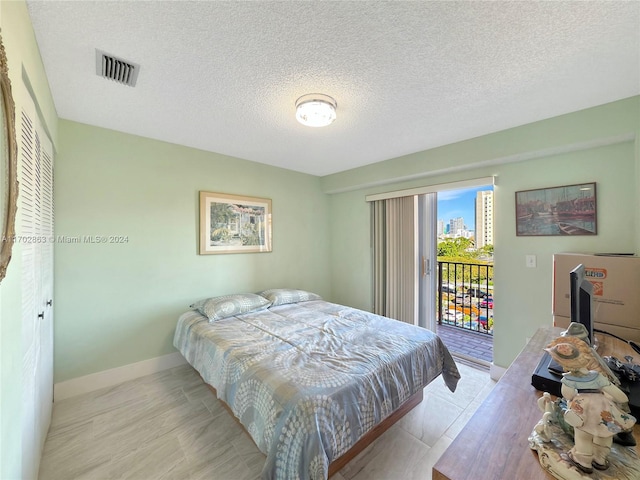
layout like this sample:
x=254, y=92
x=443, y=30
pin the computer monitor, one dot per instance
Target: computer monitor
x=582, y=300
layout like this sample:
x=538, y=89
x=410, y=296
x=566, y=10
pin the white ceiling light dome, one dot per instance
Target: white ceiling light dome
x=316, y=110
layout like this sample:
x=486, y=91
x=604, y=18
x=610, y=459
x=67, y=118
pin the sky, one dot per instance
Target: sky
x=459, y=203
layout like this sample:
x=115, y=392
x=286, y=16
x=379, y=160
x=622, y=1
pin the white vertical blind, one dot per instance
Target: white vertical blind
x=395, y=258
x=379, y=254
x=390, y=281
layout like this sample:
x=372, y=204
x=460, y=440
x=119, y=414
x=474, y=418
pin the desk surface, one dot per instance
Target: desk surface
x=494, y=443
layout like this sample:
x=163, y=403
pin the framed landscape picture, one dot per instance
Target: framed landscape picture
x=566, y=210
x=234, y=224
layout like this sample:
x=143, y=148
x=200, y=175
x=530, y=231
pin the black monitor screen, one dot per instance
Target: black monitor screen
x=582, y=299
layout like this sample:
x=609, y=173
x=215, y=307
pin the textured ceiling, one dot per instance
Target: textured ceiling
x=407, y=76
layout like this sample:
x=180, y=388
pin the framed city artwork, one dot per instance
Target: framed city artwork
x=565, y=210
x=234, y=224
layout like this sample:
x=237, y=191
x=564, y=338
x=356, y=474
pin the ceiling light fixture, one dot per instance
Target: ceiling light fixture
x=316, y=110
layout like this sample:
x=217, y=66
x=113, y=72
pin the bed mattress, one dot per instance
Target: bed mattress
x=308, y=379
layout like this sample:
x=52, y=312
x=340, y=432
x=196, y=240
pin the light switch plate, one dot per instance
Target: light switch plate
x=531, y=261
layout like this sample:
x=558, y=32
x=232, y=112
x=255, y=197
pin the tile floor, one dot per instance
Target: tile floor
x=169, y=426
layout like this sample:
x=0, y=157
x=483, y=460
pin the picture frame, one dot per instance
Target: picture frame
x=234, y=224
x=564, y=210
x=8, y=165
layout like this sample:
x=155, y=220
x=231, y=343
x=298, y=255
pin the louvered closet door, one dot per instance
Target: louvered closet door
x=44, y=299
x=36, y=231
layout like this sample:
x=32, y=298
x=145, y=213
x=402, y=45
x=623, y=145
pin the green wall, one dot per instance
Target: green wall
x=597, y=144
x=25, y=67
x=116, y=304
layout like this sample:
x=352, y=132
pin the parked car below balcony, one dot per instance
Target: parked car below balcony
x=453, y=316
x=448, y=288
x=476, y=292
x=485, y=322
x=486, y=303
x=461, y=299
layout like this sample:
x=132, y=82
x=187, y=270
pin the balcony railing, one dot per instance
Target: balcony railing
x=465, y=296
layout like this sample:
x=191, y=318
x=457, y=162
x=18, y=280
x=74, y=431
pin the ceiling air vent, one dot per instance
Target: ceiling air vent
x=116, y=69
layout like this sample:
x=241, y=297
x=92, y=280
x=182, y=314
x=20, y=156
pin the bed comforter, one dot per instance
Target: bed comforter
x=309, y=379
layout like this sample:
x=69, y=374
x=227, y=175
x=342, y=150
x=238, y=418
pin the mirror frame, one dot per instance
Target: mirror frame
x=9, y=202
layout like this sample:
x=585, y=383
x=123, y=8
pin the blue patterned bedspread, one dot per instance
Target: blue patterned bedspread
x=307, y=380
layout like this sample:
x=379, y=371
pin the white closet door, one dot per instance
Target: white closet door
x=30, y=342
x=36, y=229
x=44, y=375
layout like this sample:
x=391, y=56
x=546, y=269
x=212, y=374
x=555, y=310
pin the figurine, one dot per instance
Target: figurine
x=579, y=331
x=543, y=427
x=592, y=409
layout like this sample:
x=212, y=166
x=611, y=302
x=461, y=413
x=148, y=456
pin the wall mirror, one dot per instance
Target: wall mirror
x=8, y=166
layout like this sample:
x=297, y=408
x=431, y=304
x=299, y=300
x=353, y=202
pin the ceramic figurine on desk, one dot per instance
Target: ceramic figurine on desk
x=553, y=438
x=595, y=362
x=592, y=409
x=549, y=409
x=579, y=331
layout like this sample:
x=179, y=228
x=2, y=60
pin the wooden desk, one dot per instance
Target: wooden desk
x=494, y=444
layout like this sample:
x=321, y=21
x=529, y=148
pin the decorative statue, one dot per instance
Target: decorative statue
x=577, y=330
x=543, y=427
x=591, y=405
x=595, y=362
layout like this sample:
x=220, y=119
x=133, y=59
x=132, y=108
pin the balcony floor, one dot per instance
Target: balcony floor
x=467, y=344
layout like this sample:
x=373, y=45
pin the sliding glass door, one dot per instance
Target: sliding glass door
x=404, y=258
x=427, y=253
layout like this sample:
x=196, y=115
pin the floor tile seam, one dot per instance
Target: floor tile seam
x=144, y=415
x=453, y=398
x=443, y=397
x=140, y=450
x=181, y=465
x=197, y=462
x=194, y=453
x=62, y=446
x=202, y=425
x=100, y=411
x=421, y=440
x=55, y=432
x=149, y=440
x=242, y=459
x=218, y=413
x=452, y=401
x=69, y=469
x=413, y=437
x=79, y=452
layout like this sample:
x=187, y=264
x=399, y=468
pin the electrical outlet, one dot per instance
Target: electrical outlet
x=531, y=261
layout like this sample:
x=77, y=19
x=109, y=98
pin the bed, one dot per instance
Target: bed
x=312, y=382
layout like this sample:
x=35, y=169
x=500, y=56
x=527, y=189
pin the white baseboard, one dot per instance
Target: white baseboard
x=114, y=376
x=496, y=372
